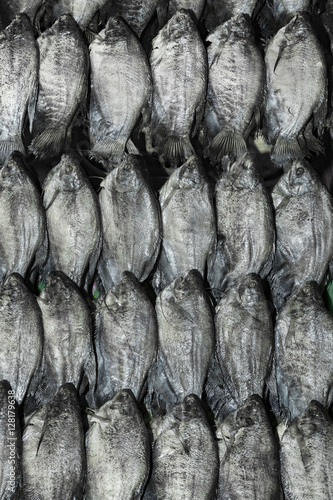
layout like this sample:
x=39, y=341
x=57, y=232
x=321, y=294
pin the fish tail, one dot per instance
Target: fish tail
x=286, y=150
x=227, y=142
x=177, y=149
x=48, y=143
x=109, y=149
x=313, y=144
x=7, y=147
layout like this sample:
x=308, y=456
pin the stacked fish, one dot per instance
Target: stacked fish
x=150, y=345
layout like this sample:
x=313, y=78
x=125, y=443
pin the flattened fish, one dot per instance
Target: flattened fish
x=63, y=85
x=219, y=11
x=126, y=338
x=18, y=83
x=303, y=351
x=296, y=91
x=306, y=455
x=236, y=81
x=117, y=446
x=54, y=462
x=120, y=90
x=131, y=224
x=185, y=340
x=249, y=458
x=188, y=223
x=82, y=10
x=304, y=229
x=73, y=222
x=23, y=222
x=21, y=336
x=179, y=68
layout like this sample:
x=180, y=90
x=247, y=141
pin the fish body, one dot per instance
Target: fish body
x=217, y=12
x=236, y=81
x=11, y=8
x=63, y=85
x=126, y=338
x=54, y=463
x=179, y=67
x=131, y=224
x=306, y=455
x=73, y=222
x=21, y=336
x=18, y=82
x=304, y=225
x=117, y=446
x=296, y=104
x=120, y=90
x=136, y=13
x=196, y=6
x=81, y=10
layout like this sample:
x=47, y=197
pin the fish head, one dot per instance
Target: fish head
x=238, y=28
x=58, y=288
x=13, y=288
x=252, y=412
x=64, y=25
x=297, y=29
x=116, y=29
x=19, y=27
x=190, y=174
x=123, y=292
x=70, y=174
x=126, y=177
x=184, y=286
x=188, y=409
x=64, y=401
x=300, y=179
x=312, y=420
x=307, y=293
x=13, y=172
x=250, y=290
x=241, y=175
x=180, y=24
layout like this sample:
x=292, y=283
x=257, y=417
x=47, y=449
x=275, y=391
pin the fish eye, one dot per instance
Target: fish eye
x=68, y=169
x=252, y=284
x=300, y=171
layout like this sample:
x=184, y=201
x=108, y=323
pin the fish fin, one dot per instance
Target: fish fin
x=13, y=144
x=131, y=147
x=177, y=148
x=227, y=142
x=286, y=149
x=281, y=49
x=312, y=143
x=109, y=149
x=48, y=143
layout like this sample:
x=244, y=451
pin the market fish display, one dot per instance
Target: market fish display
x=120, y=91
x=248, y=455
x=117, y=447
x=296, y=102
x=179, y=67
x=22, y=222
x=73, y=222
x=21, y=337
x=126, y=339
x=131, y=224
x=304, y=229
x=188, y=223
x=18, y=83
x=54, y=462
x=68, y=352
x=236, y=79
x=303, y=347
x=306, y=455
x=63, y=85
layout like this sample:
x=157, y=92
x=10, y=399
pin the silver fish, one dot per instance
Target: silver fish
x=196, y=6
x=185, y=340
x=188, y=223
x=244, y=344
x=248, y=453
x=126, y=339
x=82, y=10
x=18, y=83
x=23, y=221
x=68, y=351
x=73, y=222
x=296, y=91
x=306, y=455
x=21, y=336
x=131, y=224
x=11, y=8
x=304, y=228
x=245, y=226
x=54, y=463
x=217, y=12
x=63, y=85
x=179, y=67
x=185, y=459
x=120, y=90
x=117, y=447
x=236, y=81
x=303, y=347
x=10, y=444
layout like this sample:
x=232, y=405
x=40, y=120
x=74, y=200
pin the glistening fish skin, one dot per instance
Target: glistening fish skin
x=120, y=90
x=304, y=229
x=63, y=85
x=131, y=224
x=18, y=83
x=303, y=347
x=117, y=446
x=82, y=10
x=249, y=459
x=73, y=222
x=185, y=459
x=54, y=462
x=22, y=220
x=188, y=223
x=126, y=338
x=179, y=67
x=185, y=340
x=21, y=336
x=306, y=455
x=296, y=91
x=236, y=80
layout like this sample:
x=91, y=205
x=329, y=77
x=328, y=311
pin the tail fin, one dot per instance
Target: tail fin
x=7, y=147
x=49, y=143
x=109, y=149
x=287, y=150
x=177, y=149
x=227, y=142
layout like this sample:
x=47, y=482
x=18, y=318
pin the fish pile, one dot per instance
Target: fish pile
x=166, y=239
